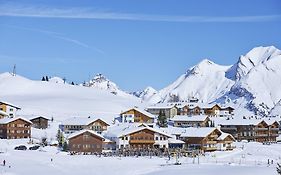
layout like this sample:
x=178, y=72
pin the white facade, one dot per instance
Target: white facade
x=127, y=118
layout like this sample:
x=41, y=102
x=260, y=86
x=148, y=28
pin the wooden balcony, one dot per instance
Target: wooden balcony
x=261, y=129
x=141, y=141
x=209, y=148
x=210, y=142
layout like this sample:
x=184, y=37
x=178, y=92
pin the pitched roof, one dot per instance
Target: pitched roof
x=9, y=120
x=225, y=135
x=162, y=106
x=192, y=118
x=83, y=131
x=137, y=129
x=141, y=111
x=39, y=116
x=198, y=132
x=175, y=141
x=81, y=121
x=9, y=104
x=240, y=122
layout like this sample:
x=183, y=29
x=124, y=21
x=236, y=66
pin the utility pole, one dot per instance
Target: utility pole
x=14, y=70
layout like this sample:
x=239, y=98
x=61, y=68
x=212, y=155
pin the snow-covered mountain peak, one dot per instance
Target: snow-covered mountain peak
x=255, y=57
x=99, y=81
x=206, y=66
x=261, y=54
x=99, y=78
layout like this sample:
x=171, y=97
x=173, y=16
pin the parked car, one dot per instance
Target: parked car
x=35, y=147
x=21, y=147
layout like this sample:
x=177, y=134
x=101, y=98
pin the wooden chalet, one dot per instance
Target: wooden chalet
x=79, y=123
x=136, y=115
x=86, y=141
x=39, y=122
x=191, y=121
x=15, y=128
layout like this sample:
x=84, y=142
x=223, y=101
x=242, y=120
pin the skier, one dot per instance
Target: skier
x=4, y=162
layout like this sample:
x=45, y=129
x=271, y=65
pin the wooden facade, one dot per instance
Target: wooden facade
x=211, y=111
x=97, y=125
x=86, y=142
x=260, y=132
x=188, y=121
x=168, y=111
x=143, y=138
x=40, y=122
x=136, y=116
x=209, y=141
x=15, y=129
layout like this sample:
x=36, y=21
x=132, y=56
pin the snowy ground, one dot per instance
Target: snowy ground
x=251, y=160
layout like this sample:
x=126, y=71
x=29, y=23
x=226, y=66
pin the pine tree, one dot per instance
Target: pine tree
x=60, y=138
x=278, y=168
x=47, y=78
x=162, y=119
x=43, y=79
x=65, y=146
x=72, y=83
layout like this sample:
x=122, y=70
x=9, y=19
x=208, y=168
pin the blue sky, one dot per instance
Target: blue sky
x=134, y=43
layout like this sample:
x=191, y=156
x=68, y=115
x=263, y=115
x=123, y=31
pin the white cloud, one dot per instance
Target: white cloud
x=86, y=13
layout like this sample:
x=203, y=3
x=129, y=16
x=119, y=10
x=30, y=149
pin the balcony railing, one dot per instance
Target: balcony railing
x=261, y=129
x=209, y=148
x=142, y=141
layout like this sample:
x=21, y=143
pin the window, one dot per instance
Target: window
x=73, y=146
x=11, y=109
x=85, y=137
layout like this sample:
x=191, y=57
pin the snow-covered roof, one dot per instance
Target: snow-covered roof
x=224, y=135
x=80, y=121
x=188, y=118
x=141, y=111
x=270, y=121
x=197, y=132
x=240, y=122
x=9, y=120
x=137, y=129
x=162, y=106
x=38, y=116
x=9, y=104
x=83, y=131
x=173, y=130
x=175, y=141
x=122, y=129
x=3, y=113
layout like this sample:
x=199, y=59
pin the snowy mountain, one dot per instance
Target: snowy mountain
x=146, y=94
x=100, y=82
x=62, y=101
x=252, y=83
x=205, y=81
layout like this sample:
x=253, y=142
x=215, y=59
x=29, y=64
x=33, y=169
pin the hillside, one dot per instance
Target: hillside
x=62, y=100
